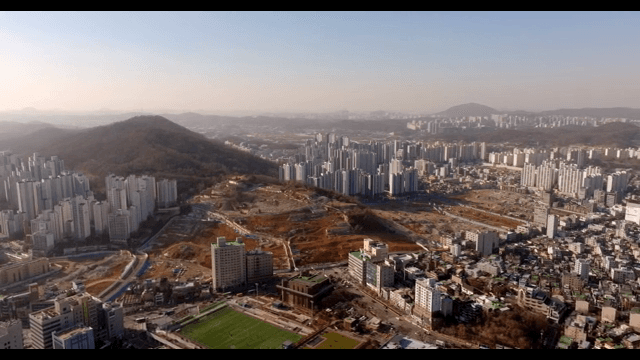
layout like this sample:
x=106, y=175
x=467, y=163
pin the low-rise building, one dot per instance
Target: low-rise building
x=75, y=338
x=259, y=266
x=305, y=291
x=21, y=271
x=539, y=302
x=11, y=335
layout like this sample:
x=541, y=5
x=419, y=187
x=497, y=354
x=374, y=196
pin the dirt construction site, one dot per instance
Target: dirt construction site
x=500, y=202
x=96, y=273
x=322, y=228
x=317, y=228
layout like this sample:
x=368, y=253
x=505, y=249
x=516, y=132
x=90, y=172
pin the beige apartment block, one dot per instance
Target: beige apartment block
x=13, y=273
x=608, y=314
x=11, y=335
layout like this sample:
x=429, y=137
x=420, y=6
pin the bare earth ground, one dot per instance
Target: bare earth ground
x=501, y=202
x=319, y=229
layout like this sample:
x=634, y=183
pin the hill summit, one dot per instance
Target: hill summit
x=144, y=145
x=470, y=109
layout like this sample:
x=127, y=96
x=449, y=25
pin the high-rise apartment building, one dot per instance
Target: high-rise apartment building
x=167, y=191
x=582, y=268
x=228, y=264
x=486, y=242
x=120, y=226
x=427, y=296
x=552, y=224
x=259, y=266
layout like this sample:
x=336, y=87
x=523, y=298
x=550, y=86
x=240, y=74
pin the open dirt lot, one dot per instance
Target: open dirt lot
x=318, y=228
x=190, y=251
x=501, y=202
x=485, y=218
x=94, y=273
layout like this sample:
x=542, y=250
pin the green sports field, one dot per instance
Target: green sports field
x=229, y=329
x=337, y=341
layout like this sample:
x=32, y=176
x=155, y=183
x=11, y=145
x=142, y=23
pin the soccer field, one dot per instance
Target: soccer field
x=337, y=341
x=229, y=329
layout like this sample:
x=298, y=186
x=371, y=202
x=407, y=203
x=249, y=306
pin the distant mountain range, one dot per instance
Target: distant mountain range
x=470, y=109
x=612, y=134
x=141, y=145
x=473, y=109
x=11, y=129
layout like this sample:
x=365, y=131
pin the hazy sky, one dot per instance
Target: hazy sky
x=328, y=61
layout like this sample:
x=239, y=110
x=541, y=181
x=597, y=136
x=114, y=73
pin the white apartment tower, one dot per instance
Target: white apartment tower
x=552, y=224
x=120, y=226
x=427, y=296
x=228, y=264
x=485, y=241
x=582, y=268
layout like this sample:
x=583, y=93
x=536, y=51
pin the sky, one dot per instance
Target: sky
x=318, y=61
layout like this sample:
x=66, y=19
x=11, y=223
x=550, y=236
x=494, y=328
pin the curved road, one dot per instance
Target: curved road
x=119, y=285
x=244, y=231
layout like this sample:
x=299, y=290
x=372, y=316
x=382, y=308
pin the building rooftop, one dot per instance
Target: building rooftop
x=401, y=342
x=318, y=278
x=66, y=334
x=235, y=243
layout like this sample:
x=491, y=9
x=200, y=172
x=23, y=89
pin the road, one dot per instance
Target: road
x=415, y=330
x=147, y=243
x=244, y=231
x=401, y=322
x=120, y=285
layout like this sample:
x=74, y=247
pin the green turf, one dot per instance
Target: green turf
x=337, y=341
x=229, y=329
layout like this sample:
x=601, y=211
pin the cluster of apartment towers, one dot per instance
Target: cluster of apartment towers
x=549, y=170
x=371, y=169
x=56, y=205
x=372, y=267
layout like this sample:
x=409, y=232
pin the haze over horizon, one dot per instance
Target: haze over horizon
x=227, y=62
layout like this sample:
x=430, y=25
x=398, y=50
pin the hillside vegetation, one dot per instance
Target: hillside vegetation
x=142, y=145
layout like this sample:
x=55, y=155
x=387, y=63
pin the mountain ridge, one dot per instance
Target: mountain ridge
x=469, y=109
x=141, y=145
